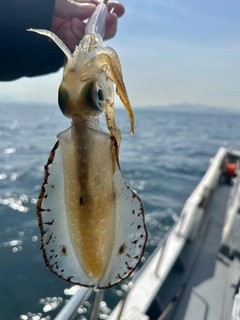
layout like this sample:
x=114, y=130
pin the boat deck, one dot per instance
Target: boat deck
x=210, y=280
x=204, y=279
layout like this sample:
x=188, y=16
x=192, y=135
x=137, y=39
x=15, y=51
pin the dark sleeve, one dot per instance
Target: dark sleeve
x=22, y=53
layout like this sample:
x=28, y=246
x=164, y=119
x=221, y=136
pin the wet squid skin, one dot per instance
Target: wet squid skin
x=92, y=223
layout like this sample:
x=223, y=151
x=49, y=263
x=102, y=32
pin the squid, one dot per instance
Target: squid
x=92, y=224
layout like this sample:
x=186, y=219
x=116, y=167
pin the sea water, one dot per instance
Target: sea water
x=163, y=162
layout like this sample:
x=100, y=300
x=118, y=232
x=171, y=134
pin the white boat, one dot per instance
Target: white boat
x=194, y=273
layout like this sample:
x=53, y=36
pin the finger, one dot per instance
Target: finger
x=111, y=26
x=69, y=9
x=78, y=28
x=71, y=40
x=95, y=2
x=117, y=8
x=62, y=29
x=59, y=26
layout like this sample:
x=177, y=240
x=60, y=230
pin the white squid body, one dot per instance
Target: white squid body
x=92, y=223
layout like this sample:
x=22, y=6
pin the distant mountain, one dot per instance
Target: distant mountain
x=195, y=108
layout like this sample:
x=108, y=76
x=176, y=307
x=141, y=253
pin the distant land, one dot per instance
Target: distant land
x=176, y=108
x=193, y=108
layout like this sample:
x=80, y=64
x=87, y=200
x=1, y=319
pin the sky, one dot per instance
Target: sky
x=171, y=51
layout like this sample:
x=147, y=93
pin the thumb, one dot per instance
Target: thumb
x=68, y=9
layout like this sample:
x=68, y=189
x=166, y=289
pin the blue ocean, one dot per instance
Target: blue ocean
x=163, y=162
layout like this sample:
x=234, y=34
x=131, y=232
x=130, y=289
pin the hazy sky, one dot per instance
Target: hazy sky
x=172, y=51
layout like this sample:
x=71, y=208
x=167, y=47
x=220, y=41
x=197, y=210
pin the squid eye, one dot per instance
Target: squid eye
x=100, y=95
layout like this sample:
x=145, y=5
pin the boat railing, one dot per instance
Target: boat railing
x=162, y=246
x=187, y=226
x=181, y=222
x=69, y=311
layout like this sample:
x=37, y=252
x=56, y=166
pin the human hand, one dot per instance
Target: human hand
x=69, y=15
